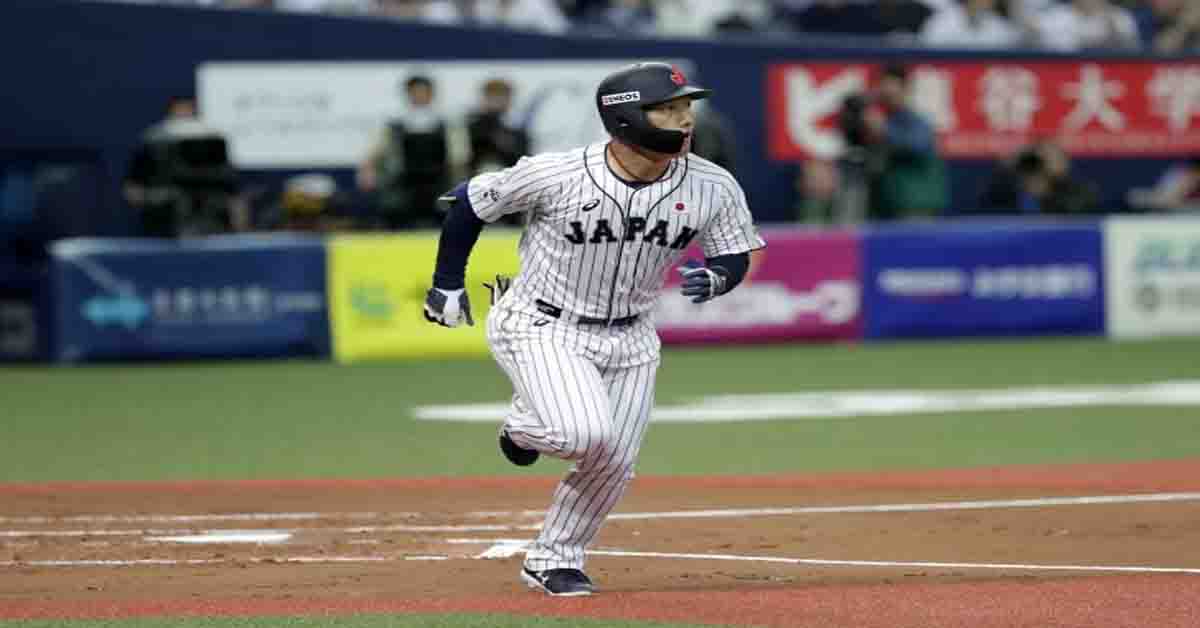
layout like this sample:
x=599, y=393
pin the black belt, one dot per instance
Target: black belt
x=557, y=312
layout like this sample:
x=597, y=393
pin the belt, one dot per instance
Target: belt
x=557, y=312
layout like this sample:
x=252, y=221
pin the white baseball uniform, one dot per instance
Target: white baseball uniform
x=595, y=247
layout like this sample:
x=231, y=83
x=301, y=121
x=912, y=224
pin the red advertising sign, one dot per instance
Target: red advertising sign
x=991, y=109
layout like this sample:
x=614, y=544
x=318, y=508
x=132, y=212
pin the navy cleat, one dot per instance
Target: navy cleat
x=558, y=582
x=516, y=454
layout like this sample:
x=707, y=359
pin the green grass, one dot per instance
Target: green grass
x=313, y=419
x=355, y=621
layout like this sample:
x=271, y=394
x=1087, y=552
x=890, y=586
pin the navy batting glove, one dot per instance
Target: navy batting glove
x=703, y=283
x=448, y=308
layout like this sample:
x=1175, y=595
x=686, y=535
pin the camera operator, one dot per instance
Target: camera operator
x=180, y=180
x=891, y=169
x=1037, y=180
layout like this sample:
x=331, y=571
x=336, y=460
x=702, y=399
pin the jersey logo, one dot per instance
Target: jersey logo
x=615, y=99
x=680, y=207
x=592, y=204
x=677, y=76
x=635, y=229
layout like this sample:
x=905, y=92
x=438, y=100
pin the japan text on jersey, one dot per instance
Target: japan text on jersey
x=597, y=246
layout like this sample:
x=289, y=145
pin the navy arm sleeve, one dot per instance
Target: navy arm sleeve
x=460, y=231
x=735, y=266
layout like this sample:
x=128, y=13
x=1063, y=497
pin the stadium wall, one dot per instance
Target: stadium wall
x=358, y=298
x=86, y=78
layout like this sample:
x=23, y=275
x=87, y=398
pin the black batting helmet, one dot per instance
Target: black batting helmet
x=624, y=95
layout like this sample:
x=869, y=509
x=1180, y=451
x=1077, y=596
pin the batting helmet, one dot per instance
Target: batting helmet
x=624, y=95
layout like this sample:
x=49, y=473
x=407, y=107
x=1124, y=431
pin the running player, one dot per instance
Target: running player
x=575, y=333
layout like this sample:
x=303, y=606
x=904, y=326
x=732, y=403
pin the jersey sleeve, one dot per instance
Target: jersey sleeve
x=503, y=192
x=732, y=230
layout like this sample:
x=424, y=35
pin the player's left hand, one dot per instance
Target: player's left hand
x=701, y=282
x=448, y=308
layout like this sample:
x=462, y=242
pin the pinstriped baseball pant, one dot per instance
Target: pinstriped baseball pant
x=584, y=394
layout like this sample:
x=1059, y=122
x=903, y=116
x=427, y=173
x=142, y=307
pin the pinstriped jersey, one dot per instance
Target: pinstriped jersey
x=597, y=246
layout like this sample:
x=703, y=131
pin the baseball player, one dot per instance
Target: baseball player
x=574, y=330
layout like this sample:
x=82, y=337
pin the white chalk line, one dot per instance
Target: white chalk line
x=506, y=550
x=504, y=547
x=819, y=562
x=1040, y=502
x=233, y=516
x=250, y=516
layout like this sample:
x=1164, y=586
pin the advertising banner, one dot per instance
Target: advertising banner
x=289, y=115
x=220, y=296
x=377, y=286
x=983, y=280
x=804, y=285
x=986, y=109
x=1153, y=276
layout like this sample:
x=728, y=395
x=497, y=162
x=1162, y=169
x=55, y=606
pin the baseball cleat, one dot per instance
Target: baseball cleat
x=558, y=582
x=516, y=454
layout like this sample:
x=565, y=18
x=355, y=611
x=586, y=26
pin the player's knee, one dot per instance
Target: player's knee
x=599, y=441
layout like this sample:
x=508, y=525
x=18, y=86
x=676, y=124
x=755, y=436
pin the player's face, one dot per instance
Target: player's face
x=676, y=115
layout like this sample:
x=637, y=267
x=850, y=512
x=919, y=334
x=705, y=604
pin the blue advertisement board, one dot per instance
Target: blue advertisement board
x=221, y=296
x=983, y=279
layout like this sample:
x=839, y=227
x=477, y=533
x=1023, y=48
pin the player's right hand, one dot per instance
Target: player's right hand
x=448, y=308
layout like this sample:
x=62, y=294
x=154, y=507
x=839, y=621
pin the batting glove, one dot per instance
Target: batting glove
x=702, y=283
x=448, y=308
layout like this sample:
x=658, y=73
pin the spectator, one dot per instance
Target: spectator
x=308, y=202
x=698, y=18
x=970, y=24
x=305, y=6
x=1177, y=190
x=497, y=139
x=817, y=193
x=905, y=176
x=624, y=17
x=854, y=17
x=1087, y=25
x=412, y=162
x=445, y=12
x=180, y=179
x=531, y=15
x=1169, y=26
x=1037, y=180
x=712, y=136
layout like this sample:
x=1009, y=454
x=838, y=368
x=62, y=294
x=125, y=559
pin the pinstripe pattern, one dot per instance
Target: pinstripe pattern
x=597, y=247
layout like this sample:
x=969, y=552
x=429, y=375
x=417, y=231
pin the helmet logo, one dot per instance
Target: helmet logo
x=608, y=100
x=677, y=76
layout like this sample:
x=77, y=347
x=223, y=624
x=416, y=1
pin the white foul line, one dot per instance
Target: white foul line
x=674, y=514
x=202, y=561
x=888, y=563
x=919, y=507
x=233, y=516
x=506, y=550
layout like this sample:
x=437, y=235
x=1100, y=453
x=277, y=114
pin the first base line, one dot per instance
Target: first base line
x=810, y=562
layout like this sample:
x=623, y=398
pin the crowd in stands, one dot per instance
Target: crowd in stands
x=891, y=170
x=1163, y=26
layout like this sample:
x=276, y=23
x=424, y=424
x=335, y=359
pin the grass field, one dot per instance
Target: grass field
x=295, y=419
x=304, y=419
